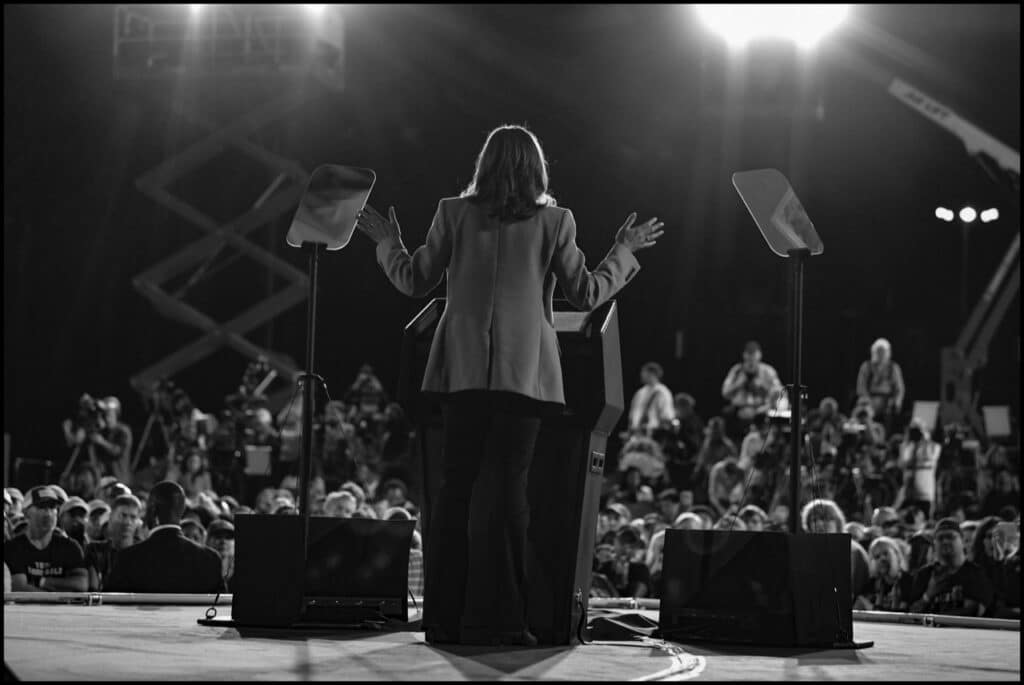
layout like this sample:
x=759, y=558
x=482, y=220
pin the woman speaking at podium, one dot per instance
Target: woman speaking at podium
x=495, y=361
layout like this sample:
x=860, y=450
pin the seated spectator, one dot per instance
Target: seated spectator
x=220, y=537
x=356, y=490
x=707, y=515
x=111, y=488
x=951, y=584
x=1005, y=493
x=856, y=530
x=73, y=515
x=824, y=516
x=264, y=503
x=689, y=521
x=630, y=575
x=17, y=502
x=396, y=514
x=754, y=518
x=645, y=455
x=101, y=555
x=43, y=559
x=668, y=504
x=340, y=505
x=889, y=584
x=610, y=521
x=167, y=561
x=730, y=522
x=922, y=551
x=968, y=530
x=725, y=485
x=194, y=530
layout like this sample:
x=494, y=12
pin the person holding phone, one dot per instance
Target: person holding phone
x=504, y=245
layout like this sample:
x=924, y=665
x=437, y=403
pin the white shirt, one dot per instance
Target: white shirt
x=657, y=400
x=923, y=459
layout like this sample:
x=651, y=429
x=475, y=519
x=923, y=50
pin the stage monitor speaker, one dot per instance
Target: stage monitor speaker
x=358, y=570
x=760, y=588
x=565, y=478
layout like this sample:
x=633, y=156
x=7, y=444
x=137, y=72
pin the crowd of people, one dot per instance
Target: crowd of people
x=933, y=519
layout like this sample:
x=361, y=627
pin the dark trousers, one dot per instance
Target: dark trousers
x=475, y=578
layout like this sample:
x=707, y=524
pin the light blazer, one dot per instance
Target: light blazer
x=497, y=331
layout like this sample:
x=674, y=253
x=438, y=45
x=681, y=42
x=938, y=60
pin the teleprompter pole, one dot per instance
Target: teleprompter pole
x=799, y=258
x=306, y=466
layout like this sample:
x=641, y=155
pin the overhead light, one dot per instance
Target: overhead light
x=195, y=9
x=316, y=11
x=968, y=214
x=944, y=214
x=989, y=215
x=805, y=25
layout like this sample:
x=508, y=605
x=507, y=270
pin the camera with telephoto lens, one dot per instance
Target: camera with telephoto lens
x=89, y=415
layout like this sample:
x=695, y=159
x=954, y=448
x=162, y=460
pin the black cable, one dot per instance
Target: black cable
x=211, y=612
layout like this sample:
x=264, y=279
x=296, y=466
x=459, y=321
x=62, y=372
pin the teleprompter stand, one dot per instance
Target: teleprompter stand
x=756, y=588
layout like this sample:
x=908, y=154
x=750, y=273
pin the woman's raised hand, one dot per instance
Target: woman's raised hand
x=376, y=226
x=638, y=237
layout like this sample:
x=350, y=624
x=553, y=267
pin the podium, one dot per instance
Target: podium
x=568, y=465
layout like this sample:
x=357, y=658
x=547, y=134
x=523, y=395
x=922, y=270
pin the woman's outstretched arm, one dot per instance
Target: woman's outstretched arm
x=417, y=274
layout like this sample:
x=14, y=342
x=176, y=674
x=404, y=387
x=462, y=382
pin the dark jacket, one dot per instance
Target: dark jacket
x=497, y=331
x=166, y=562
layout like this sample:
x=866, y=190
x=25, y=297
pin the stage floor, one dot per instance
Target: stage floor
x=151, y=642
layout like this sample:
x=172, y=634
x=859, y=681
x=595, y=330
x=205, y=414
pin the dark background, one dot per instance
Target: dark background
x=638, y=108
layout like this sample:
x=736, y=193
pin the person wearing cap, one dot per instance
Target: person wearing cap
x=194, y=530
x=125, y=519
x=41, y=559
x=166, y=561
x=749, y=387
x=880, y=381
x=99, y=514
x=73, y=515
x=951, y=585
x=668, y=504
x=220, y=537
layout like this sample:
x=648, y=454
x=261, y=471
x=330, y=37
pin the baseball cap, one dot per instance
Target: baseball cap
x=221, y=528
x=42, y=494
x=61, y=494
x=74, y=503
x=670, y=494
x=948, y=524
x=185, y=523
x=620, y=510
x=97, y=505
x=106, y=480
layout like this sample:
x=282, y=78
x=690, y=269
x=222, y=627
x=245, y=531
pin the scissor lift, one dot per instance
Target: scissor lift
x=220, y=50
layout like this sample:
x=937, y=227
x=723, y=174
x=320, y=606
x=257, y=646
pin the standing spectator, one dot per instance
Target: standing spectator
x=689, y=426
x=43, y=559
x=73, y=515
x=652, y=407
x=951, y=584
x=749, y=387
x=890, y=584
x=366, y=392
x=919, y=459
x=880, y=381
x=716, y=447
x=166, y=561
x=195, y=477
x=101, y=555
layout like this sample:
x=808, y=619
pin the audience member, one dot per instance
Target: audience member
x=880, y=381
x=166, y=561
x=73, y=516
x=220, y=537
x=121, y=529
x=652, y=407
x=749, y=387
x=193, y=529
x=951, y=584
x=919, y=457
x=824, y=516
x=44, y=559
x=889, y=585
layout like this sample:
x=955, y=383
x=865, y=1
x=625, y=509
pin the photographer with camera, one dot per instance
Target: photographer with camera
x=97, y=433
x=919, y=459
x=749, y=387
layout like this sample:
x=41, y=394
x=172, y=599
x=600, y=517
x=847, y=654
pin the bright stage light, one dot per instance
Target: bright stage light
x=803, y=24
x=195, y=9
x=989, y=215
x=967, y=215
x=944, y=214
x=316, y=11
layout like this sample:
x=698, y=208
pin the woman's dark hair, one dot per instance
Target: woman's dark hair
x=986, y=525
x=511, y=176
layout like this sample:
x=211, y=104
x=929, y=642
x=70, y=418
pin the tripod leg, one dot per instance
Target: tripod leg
x=71, y=464
x=142, y=442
